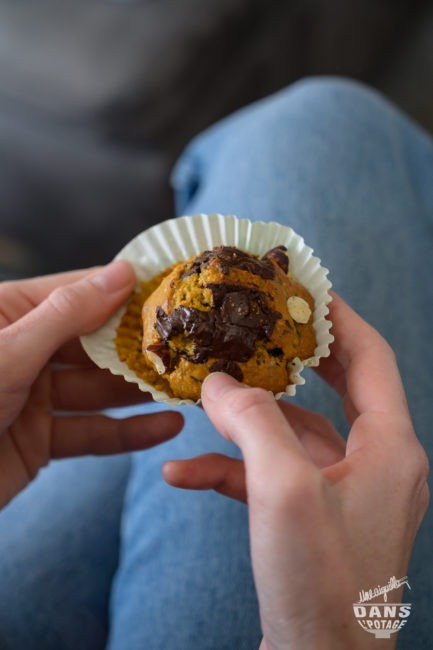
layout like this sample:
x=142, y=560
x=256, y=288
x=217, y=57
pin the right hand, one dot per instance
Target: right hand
x=325, y=522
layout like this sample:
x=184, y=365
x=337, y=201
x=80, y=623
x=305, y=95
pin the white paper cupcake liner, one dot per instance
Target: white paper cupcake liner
x=178, y=239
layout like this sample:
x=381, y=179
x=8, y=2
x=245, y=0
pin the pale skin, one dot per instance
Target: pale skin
x=327, y=519
x=43, y=369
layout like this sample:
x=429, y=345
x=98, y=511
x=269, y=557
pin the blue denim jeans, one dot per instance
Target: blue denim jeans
x=99, y=552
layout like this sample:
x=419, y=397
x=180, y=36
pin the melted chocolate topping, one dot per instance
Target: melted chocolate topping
x=240, y=317
x=229, y=257
x=230, y=330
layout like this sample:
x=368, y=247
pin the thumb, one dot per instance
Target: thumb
x=252, y=419
x=68, y=312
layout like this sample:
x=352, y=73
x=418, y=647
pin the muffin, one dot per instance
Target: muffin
x=223, y=310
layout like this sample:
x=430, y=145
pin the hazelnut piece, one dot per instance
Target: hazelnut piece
x=299, y=309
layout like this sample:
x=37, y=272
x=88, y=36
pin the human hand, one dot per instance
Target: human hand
x=44, y=370
x=326, y=520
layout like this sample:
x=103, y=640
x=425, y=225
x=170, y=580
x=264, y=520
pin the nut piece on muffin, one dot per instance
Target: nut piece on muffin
x=224, y=310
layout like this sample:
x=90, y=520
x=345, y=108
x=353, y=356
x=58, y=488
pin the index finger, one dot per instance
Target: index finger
x=18, y=297
x=36, y=289
x=362, y=365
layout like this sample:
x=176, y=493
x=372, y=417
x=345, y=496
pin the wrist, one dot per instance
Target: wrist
x=342, y=643
x=341, y=638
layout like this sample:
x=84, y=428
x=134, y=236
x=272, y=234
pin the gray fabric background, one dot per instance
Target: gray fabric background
x=98, y=98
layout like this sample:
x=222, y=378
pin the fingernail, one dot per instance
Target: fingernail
x=217, y=384
x=114, y=276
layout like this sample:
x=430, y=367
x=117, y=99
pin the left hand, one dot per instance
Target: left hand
x=44, y=371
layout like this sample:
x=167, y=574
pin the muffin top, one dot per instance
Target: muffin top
x=227, y=310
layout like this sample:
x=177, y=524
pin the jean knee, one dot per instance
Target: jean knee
x=343, y=95
x=319, y=122
x=310, y=104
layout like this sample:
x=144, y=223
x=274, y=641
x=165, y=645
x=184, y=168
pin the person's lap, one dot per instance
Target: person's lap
x=351, y=175
x=59, y=546
x=184, y=579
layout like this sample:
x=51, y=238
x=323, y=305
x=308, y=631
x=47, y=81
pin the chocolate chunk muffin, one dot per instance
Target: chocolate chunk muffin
x=224, y=310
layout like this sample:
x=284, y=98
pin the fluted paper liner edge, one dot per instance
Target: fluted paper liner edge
x=178, y=239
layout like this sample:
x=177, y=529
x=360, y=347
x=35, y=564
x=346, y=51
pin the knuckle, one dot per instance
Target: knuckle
x=424, y=464
x=379, y=342
x=387, y=347
x=415, y=478
x=13, y=372
x=64, y=300
x=423, y=501
x=421, y=473
x=5, y=289
x=419, y=466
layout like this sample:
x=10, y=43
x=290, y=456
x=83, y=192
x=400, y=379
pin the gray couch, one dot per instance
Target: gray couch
x=98, y=98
